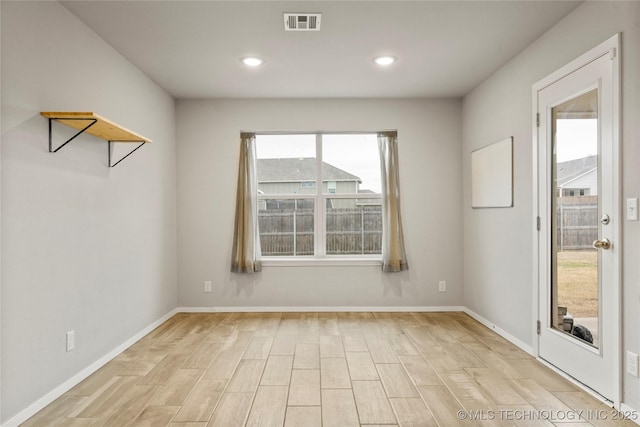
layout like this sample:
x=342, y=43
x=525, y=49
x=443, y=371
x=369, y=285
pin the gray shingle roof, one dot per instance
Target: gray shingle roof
x=296, y=170
x=572, y=169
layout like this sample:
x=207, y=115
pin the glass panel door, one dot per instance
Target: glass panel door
x=575, y=285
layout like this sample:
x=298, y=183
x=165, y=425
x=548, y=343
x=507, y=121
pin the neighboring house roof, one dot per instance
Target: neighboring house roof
x=298, y=170
x=579, y=181
x=572, y=169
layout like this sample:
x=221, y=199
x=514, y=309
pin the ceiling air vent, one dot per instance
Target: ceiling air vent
x=302, y=21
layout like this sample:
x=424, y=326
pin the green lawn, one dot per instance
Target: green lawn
x=578, y=282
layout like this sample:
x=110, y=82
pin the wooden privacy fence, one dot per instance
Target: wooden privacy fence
x=577, y=222
x=290, y=232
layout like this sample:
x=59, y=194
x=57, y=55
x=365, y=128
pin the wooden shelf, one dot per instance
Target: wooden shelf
x=93, y=124
x=102, y=128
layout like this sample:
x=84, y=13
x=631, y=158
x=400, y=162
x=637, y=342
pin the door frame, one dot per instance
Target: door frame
x=612, y=47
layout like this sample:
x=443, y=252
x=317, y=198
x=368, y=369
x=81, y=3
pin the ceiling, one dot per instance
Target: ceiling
x=193, y=49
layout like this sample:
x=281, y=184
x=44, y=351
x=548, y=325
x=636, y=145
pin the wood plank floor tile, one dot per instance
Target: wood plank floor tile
x=371, y=330
x=412, y=412
x=188, y=424
x=354, y=341
x=361, y=366
x=402, y=345
x=305, y=387
x=381, y=351
x=307, y=356
x=519, y=415
x=538, y=396
x=387, y=323
x=288, y=369
x=201, y=402
x=492, y=360
x=303, y=416
x=247, y=376
x=283, y=344
x=86, y=401
x=331, y=346
x=420, y=371
x=396, y=381
x=164, y=370
x=424, y=342
x=137, y=400
x=498, y=389
x=334, y=372
x=99, y=378
x=59, y=409
x=239, y=340
x=590, y=407
x=269, y=407
x=339, y=409
x=443, y=405
x=444, y=364
x=277, y=370
x=258, y=348
x=462, y=356
x=467, y=391
x=188, y=344
x=372, y=403
x=177, y=388
x=232, y=410
x=224, y=365
x=544, y=376
x=203, y=356
x=156, y=416
x=136, y=363
x=328, y=324
x=78, y=422
x=111, y=399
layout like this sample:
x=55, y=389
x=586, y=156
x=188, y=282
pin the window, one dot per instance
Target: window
x=319, y=196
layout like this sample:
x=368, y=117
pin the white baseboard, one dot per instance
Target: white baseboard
x=306, y=309
x=504, y=334
x=38, y=405
x=628, y=410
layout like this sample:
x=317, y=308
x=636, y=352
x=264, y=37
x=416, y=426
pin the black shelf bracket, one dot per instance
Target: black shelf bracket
x=124, y=157
x=51, y=119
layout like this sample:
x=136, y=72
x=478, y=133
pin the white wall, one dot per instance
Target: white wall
x=85, y=247
x=429, y=148
x=498, y=276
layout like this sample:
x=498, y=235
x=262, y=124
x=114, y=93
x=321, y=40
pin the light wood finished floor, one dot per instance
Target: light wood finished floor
x=324, y=369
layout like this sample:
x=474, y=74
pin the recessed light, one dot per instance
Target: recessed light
x=252, y=61
x=384, y=60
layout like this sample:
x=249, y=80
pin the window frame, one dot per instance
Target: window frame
x=320, y=198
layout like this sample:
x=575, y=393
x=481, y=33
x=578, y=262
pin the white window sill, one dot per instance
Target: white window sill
x=315, y=262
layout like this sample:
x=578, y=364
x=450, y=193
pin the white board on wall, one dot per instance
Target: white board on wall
x=492, y=175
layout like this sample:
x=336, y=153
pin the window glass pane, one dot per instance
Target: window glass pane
x=286, y=226
x=286, y=164
x=354, y=226
x=351, y=164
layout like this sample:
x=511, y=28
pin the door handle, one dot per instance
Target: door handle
x=602, y=244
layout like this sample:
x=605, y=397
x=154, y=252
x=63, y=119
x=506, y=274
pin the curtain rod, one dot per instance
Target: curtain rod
x=351, y=132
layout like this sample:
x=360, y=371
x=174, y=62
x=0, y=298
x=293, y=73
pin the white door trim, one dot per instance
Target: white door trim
x=611, y=47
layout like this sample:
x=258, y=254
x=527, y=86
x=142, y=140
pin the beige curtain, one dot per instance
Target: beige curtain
x=394, y=258
x=246, y=243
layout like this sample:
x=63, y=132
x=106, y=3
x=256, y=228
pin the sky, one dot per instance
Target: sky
x=576, y=138
x=356, y=154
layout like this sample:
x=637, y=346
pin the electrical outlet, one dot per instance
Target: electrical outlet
x=442, y=286
x=71, y=340
x=632, y=364
x=207, y=286
x=632, y=209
